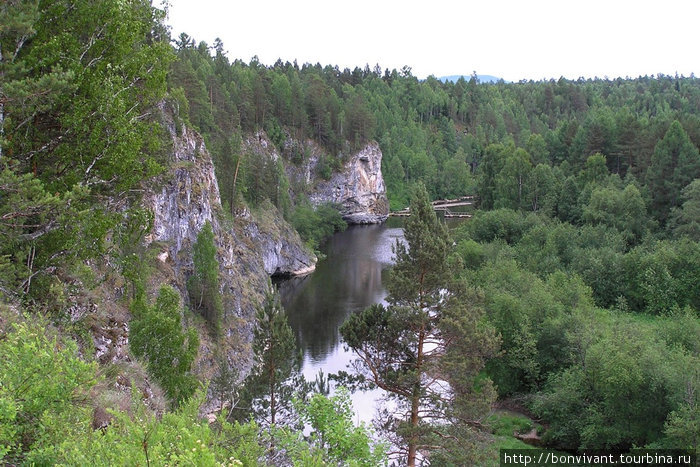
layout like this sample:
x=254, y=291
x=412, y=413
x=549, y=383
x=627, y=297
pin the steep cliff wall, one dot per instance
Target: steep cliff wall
x=281, y=250
x=248, y=250
x=358, y=187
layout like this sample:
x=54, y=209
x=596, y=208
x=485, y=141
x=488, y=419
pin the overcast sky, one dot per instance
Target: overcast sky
x=511, y=39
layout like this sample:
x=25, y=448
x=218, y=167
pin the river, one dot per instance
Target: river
x=348, y=279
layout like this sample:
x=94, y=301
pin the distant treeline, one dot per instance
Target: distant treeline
x=442, y=133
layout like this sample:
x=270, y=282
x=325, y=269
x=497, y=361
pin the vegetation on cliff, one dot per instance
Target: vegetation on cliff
x=584, y=258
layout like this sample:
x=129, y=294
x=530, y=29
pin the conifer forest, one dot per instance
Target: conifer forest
x=563, y=313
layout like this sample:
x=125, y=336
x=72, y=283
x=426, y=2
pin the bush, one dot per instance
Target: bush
x=315, y=225
x=157, y=336
x=43, y=393
x=504, y=224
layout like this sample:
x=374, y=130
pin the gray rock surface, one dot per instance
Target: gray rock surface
x=281, y=250
x=188, y=197
x=359, y=188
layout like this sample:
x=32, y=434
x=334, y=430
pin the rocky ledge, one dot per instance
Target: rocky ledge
x=281, y=250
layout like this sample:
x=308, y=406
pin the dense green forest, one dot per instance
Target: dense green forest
x=585, y=245
x=574, y=289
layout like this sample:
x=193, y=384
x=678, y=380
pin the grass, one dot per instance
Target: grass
x=505, y=423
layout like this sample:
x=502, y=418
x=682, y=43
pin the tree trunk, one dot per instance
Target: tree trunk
x=415, y=400
x=413, y=441
x=273, y=402
x=235, y=178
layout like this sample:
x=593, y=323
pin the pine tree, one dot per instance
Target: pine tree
x=685, y=221
x=674, y=164
x=79, y=81
x=405, y=350
x=203, y=285
x=276, y=361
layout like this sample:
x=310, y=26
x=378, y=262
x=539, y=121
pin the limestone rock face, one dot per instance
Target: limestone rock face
x=359, y=188
x=187, y=197
x=281, y=250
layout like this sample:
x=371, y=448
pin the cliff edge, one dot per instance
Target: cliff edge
x=358, y=188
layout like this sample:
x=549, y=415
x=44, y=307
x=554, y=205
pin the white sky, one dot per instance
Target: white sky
x=511, y=39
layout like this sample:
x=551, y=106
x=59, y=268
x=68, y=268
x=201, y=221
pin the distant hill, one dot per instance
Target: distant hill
x=481, y=78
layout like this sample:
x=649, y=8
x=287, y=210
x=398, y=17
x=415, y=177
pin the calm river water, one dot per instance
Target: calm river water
x=347, y=280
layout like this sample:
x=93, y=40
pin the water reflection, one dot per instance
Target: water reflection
x=347, y=280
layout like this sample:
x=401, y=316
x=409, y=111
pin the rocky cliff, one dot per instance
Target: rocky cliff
x=251, y=246
x=249, y=250
x=281, y=250
x=359, y=188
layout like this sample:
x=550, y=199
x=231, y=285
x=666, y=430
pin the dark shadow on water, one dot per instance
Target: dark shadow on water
x=347, y=280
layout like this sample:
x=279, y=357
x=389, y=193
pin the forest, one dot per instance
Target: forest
x=572, y=294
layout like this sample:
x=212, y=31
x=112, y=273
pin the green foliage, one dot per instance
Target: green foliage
x=333, y=433
x=270, y=386
x=504, y=224
x=602, y=380
x=78, y=88
x=622, y=393
x=128, y=237
x=595, y=169
x=43, y=395
x=31, y=217
x=682, y=427
x=511, y=180
x=169, y=351
x=96, y=55
x=203, y=284
x=529, y=315
x=505, y=424
x=263, y=178
x=45, y=414
x=542, y=189
x=391, y=341
x=316, y=224
x=457, y=179
x=180, y=437
x=674, y=164
x=685, y=221
x=623, y=210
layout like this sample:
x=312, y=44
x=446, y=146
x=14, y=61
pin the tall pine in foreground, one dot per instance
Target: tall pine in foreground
x=415, y=348
x=276, y=360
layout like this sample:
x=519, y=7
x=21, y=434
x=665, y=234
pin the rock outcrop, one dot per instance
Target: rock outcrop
x=281, y=249
x=359, y=188
x=187, y=199
x=248, y=251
